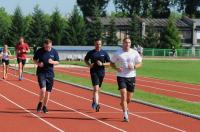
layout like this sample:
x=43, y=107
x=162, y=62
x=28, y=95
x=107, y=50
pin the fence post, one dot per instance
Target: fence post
x=153, y=52
x=164, y=52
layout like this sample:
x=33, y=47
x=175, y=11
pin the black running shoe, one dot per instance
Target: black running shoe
x=39, y=106
x=97, y=108
x=45, y=110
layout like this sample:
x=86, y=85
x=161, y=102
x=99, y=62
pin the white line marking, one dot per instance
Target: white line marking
x=173, y=91
x=198, y=89
x=112, y=126
x=48, y=123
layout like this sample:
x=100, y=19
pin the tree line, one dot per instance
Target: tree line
x=74, y=29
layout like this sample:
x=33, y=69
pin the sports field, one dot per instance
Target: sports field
x=161, y=83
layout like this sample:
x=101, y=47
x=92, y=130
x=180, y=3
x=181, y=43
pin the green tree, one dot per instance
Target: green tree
x=56, y=27
x=146, y=8
x=128, y=7
x=135, y=31
x=17, y=28
x=191, y=7
x=95, y=27
x=161, y=8
x=170, y=36
x=88, y=7
x=112, y=33
x=152, y=38
x=5, y=23
x=75, y=31
x=39, y=27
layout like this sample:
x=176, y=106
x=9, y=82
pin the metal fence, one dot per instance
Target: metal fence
x=168, y=52
x=154, y=52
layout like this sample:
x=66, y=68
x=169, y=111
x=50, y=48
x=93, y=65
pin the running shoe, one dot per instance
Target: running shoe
x=45, y=110
x=39, y=106
x=97, y=108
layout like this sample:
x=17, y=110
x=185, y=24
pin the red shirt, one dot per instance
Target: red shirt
x=21, y=50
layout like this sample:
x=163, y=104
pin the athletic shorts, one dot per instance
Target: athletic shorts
x=97, y=79
x=5, y=61
x=128, y=83
x=23, y=61
x=45, y=82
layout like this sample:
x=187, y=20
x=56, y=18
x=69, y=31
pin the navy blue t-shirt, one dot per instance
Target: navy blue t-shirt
x=42, y=55
x=93, y=56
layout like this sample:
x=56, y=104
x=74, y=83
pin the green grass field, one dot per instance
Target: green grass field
x=176, y=70
x=181, y=105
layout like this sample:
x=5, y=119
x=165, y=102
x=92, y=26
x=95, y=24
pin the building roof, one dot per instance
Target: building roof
x=155, y=22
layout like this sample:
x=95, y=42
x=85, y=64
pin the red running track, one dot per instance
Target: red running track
x=188, y=92
x=70, y=111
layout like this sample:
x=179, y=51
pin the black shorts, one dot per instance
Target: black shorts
x=128, y=83
x=23, y=61
x=97, y=79
x=5, y=61
x=45, y=82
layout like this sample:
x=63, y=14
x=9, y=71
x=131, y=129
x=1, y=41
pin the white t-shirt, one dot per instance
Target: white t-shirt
x=122, y=59
x=5, y=55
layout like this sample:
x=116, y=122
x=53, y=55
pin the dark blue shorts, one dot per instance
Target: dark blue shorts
x=128, y=83
x=97, y=79
x=45, y=82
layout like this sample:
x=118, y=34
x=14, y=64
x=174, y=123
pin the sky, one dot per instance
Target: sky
x=48, y=6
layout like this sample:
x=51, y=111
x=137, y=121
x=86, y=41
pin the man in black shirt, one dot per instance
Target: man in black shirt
x=97, y=59
x=45, y=58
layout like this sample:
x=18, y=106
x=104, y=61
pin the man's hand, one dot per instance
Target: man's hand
x=120, y=69
x=18, y=51
x=99, y=63
x=40, y=64
x=91, y=65
x=51, y=61
x=131, y=66
x=24, y=51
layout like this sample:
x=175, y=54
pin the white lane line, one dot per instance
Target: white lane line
x=172, y=91
x=185, y=87
x=93, y=118
x=38, y=117
x=139, y=116
x=144, y=113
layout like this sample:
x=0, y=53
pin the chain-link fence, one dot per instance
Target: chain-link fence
x=169, y=52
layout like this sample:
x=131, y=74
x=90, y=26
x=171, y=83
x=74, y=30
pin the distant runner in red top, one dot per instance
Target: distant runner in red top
x=21, y=49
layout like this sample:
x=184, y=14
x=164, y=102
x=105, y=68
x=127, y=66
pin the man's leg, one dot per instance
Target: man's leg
x=7, y=66
x=42, y=95
x=123, y=103
x=46, y=98
x=96, y=94
x=20, y=70
x=4, y=70
x=49, y=86
x=129, y=97
x=41, y=99
x=23, y=64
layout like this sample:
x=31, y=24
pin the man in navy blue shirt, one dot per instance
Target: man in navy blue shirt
x=45, y=58
x=97, y=59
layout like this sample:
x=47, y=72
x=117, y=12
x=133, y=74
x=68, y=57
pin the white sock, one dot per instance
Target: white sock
x=126, y=114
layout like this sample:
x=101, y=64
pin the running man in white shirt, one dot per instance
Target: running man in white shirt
x=125, y=61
